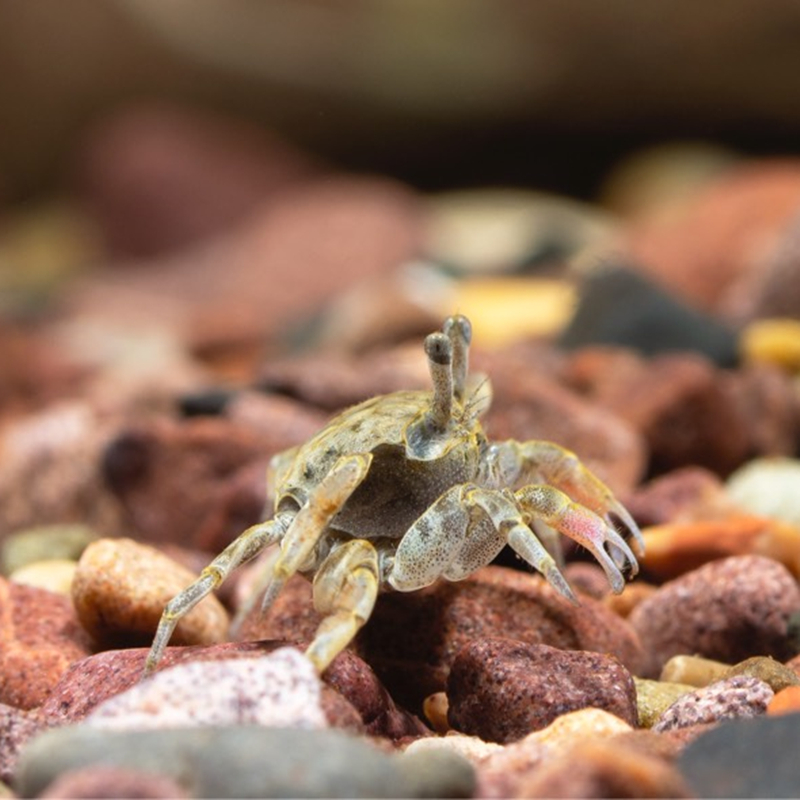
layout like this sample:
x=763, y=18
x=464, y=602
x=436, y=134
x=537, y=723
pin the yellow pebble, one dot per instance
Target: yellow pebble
x=54, y=574
x=773, y=341
x=693, y=670
x=654, y=697
x=583, y=723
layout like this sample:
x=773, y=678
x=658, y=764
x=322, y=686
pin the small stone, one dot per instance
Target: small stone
x=773, y=341
x=44, y=543
x=654, y=697
x=746, y=758
x=728, y=610
x=620, y=306
x=411, y=640
x=604, y=769
x=120, y=590
x=676, y=548
x=633, y=594
x=501, y=690
x=55, y=575
x=40, y=637
x=226, y=762
x=786, y=701
x=437, y=773
x=472, y=748
x=278, y=690
x=16, y=728
x=730, y=698
x=766, y=669
x=767, y=487
x=434, y=708
x=693, y=670
x=113, y=782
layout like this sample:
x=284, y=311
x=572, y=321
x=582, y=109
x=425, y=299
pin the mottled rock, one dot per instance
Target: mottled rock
x=501, y=690
x=676, y=548
x=604, y=769
x=45, y=542
x=412, y=639
x=767, y=487
x=744, y=758
x=113, y=782
x=653, y=698
x=682, y=495
x=16, y=728
x=727, y=610
x=278, y=690
x=772, y=672
x=40, y=637
x=120, y=590
x=678, y=402
x=730, y=698
x=247, y=761
x=175, y=479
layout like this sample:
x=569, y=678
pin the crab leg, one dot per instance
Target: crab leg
x=345, y=588
x=463, y=530
x=247, y=545
x=582, y=525
x=540, y=462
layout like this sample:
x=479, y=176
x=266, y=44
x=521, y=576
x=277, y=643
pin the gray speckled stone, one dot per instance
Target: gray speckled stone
x=240, y=761
x=739, y=696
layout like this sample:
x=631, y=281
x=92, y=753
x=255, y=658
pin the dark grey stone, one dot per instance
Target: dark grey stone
x=242, y=761
x=745, y=758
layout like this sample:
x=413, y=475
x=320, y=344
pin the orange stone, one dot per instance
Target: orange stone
x=785, y=701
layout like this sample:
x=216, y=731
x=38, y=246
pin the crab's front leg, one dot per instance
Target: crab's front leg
x=548, y=464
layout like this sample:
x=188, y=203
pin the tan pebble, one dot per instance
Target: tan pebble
x=54, y=574
x=471, y=747
x=120, y=590
x=767, y=669
x=435, y=709
x=583, y=723
x=786, y=701
x=675, y=549
x=44, y=542
x=634, y=593
x=654, y=697
x=772, y=341
x=693, y=670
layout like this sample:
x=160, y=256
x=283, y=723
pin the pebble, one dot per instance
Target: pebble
x=44, y=543
x=120, y=590
x=773, y=341
x=472, y=748
x=16, y=728
x=620, y=306
x=728, y=610
x=654, y=697
x=437, y=773
x=693, y=670
x=767, y=487
x=412, y=640
x=40, y=637
x=679, y=547
x=281, y=689
x=501, y=690
x=55, y=575
x=729, y=698
x=772, y=672
x=786, y=701
x=113, y=782
x=238, y=761
x=746, y=758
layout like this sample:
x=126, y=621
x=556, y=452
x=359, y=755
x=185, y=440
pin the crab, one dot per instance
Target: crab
x=404, y=489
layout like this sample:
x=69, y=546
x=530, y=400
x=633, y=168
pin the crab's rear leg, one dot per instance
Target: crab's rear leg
x=246, y=546
x=345, y=589
x=542, y=462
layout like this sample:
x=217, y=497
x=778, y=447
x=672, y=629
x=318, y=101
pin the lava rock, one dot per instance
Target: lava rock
x=246, y=761
x=120, y=590
x=501, y=690
x=739, y=696
x=728, y=610
x=745, y=758
x=40, y=637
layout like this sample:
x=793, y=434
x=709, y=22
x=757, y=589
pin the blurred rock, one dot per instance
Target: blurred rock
x=53, y=574
x=772, y=672
x=768, y=487
x=775, y=341
x=159, y=177
x=729, y=610
x=40, y=638
x=113, y=782
x=620, y=306
x=46, y=542
x=120, y=590
x=501, y=689
x=786, y=701
x=16, y=728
